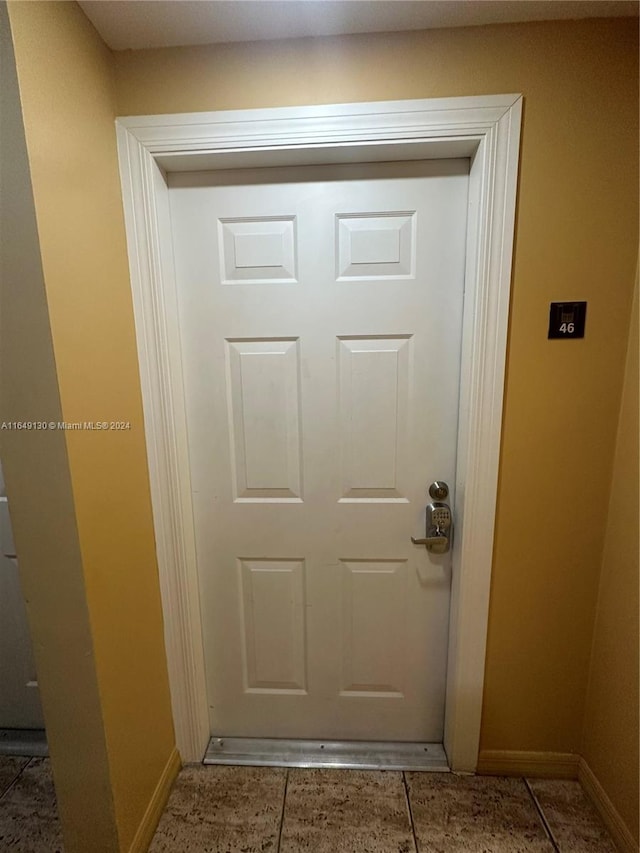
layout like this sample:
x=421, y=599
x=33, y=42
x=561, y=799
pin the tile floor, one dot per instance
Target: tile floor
x=266, y=810
x=28, y=815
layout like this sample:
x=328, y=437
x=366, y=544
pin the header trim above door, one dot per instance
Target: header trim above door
x=487, y=130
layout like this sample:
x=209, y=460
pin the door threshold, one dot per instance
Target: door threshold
x=26, y=742
x=346, y=755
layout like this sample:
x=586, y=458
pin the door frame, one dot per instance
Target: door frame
x=487, y=130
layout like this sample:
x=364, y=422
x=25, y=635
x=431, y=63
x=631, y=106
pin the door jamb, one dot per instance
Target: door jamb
x=486, y=129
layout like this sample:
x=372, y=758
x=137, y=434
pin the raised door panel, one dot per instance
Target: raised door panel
x=273, y=608
x=374, y=619
x=258, y=251
x=373, y=376
x=376, y=246
x=264, y=410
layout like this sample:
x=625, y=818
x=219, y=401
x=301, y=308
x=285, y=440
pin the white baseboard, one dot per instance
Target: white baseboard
x=158, y=801
x=545, y=765
x=620, y=832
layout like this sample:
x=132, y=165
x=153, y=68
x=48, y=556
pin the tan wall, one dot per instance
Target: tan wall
x=576, y=239
x=36, y=467
x=610, y=744
x=66, y=84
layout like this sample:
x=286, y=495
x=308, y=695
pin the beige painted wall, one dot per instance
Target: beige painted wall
x=66, y=84
x=36, y=468
x=610, y=743
x=576, y=239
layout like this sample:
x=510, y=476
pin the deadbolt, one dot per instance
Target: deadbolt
x=439, y=490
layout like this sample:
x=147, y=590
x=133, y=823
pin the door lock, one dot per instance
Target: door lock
x=438, y=521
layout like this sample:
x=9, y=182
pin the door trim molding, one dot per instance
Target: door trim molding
x=487, y=130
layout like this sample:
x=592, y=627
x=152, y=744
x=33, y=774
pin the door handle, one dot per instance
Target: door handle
x=438, y=521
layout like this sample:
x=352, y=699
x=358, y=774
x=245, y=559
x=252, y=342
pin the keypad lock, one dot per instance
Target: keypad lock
x=439, y=526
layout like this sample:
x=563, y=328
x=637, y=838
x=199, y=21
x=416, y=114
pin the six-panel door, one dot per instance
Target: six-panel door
x=320, y=316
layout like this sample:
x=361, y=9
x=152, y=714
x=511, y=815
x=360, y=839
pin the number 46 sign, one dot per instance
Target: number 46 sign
x=567, y=319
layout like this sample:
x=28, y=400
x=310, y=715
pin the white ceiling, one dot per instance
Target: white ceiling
x=126, y=24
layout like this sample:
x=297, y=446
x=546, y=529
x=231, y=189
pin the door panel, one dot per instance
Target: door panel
x=264, y=410
x=273, y=617
x=320, y=316
x=373, y=595
x=373, y=402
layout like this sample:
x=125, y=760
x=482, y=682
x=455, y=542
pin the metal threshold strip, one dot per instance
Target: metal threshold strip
x=347, y=755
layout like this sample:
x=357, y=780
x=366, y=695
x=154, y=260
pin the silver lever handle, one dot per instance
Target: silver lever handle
x=435, y=544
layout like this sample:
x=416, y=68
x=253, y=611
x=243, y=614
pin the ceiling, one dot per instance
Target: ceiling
x=135, y=24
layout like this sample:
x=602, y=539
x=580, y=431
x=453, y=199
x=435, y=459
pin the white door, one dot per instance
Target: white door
x=19, y=696
x=320, y=315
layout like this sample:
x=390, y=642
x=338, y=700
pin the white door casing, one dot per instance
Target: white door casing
x=320, y=314
x=487, y=130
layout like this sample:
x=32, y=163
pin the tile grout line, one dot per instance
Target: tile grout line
x=406, y=794
x=540, y=811
x=284, y=803
x=16, y=777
